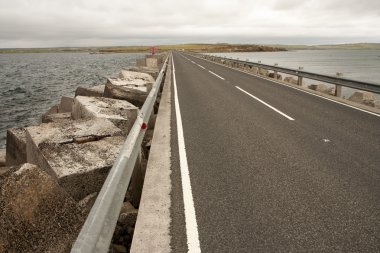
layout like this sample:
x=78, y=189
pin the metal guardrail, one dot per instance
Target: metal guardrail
x=97, y=232
x=359, y=85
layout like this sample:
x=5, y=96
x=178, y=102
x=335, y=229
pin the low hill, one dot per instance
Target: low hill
x=356, y=46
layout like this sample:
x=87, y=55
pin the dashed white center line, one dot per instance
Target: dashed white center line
x=268, y=105
x=216, y=75
x=201, y=66
x=190, y=217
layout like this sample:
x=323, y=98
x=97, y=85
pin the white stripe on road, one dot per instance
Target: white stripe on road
x=190, y=217
x=261, y=101
x=216, y=75
x=201, y=66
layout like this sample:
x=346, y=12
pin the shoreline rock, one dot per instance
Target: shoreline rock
x=323, y=88
x=36, y=215
x=363, y=97
x=290, y=79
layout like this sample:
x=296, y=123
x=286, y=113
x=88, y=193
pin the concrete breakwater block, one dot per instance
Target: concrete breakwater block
x=136, y=78
x=66, y=104
x=279, y=76
x=78, y=154
x=95, y=91
x=120, y=112
x=36, y=214
x=4, y=170
x=150, y=71
x=127, y=90
x=151, y=62
x=323, y=88
x=291, y=80
x=16, y=146
x=141, y=62
x=52, y=110
x=154, y=60
x=263, y=72
x=363, y=97
x=254, y=70
x=3, y=155
x=56, y=117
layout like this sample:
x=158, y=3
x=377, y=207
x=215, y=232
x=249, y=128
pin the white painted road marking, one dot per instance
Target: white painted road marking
x=190, y=217
x=201, y=66
x=261, y=101
x=216, y=75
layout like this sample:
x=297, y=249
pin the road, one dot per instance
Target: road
x=270, y=168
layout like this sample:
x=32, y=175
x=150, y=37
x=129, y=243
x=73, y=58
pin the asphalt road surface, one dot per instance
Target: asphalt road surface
x=272, y=168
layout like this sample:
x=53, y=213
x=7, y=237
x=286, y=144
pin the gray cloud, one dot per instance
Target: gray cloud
x=28, y=23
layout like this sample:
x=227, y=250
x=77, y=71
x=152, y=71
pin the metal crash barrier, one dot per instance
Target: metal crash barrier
x=98, y=229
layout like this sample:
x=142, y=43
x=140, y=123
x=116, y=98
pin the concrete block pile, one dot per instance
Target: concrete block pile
x=50, y=174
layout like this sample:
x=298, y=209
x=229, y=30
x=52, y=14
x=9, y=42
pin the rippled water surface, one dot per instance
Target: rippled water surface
x=31, y=83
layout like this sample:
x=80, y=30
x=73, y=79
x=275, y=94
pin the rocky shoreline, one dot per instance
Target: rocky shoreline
x=50, y=174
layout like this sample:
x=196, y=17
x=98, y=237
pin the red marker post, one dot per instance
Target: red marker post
x=153, y=50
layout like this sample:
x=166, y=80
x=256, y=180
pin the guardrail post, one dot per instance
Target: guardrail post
x=137, y=181
x=338, y=91
x=259, y=69
x=275, y=72
x=338, y=88
x=300, y=79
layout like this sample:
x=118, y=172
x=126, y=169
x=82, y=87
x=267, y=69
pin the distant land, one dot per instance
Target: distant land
x=219, y=47
x=356, y=46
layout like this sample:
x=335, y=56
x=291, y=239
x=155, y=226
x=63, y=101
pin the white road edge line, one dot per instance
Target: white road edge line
x=261, y=101
x=299, y=89
x=201, y=66
x=216, y=75
x=190, y=217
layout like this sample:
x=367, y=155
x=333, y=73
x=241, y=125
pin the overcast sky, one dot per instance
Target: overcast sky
x=46, y=23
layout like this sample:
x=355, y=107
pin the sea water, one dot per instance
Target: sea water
x=32, y=83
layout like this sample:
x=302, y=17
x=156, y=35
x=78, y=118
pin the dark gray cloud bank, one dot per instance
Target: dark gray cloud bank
x=46, y=23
